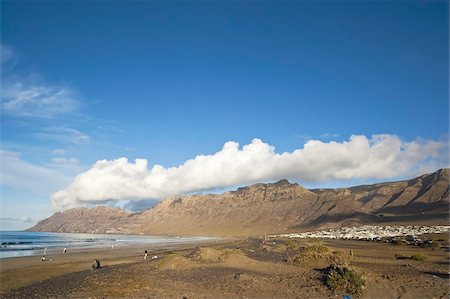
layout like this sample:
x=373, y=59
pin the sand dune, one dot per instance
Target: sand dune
x=248, y=268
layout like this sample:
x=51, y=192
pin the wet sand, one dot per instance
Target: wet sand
x=244, y=268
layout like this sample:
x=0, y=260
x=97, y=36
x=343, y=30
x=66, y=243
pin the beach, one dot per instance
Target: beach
x=20, y=271
x=238, y=268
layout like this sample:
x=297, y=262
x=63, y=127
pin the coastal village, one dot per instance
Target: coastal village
x=390, y=234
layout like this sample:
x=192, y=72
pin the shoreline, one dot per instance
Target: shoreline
x=24, y=243
x=20, y=271
x=231, y=268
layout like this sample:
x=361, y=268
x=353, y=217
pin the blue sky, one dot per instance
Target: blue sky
x=84, y=81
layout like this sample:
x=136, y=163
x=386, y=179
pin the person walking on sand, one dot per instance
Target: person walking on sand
x=145, y=255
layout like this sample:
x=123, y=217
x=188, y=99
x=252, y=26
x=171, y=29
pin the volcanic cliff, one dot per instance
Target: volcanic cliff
x=276, y=207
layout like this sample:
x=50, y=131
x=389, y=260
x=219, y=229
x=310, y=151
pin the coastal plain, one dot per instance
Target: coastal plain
x=250, y=261
x=233, y=268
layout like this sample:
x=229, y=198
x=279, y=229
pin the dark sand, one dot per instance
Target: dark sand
x=244, y=268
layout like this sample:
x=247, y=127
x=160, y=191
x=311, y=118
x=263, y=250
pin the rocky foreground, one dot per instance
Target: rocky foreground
x=273, y=208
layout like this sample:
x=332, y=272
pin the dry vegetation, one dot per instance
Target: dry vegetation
x=252, y=268
x=342, y=279
x=419, y=257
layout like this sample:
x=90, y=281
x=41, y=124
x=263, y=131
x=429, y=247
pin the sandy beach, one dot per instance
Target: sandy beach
x=242, y=268
x=21, y=271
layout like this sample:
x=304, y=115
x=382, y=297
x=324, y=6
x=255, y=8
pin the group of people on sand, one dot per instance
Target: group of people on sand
x=96, y=263
x=146, y=255
x=43, y=258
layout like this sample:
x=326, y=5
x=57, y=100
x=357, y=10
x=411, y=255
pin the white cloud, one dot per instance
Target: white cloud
x=68, y=166
x=381, y=156
x=29, y=98
x=63, y=135
x=58, y=152
x=22, y=175
x=329, y=135
x=26, y=219
x=65, y=161
x=21, y=219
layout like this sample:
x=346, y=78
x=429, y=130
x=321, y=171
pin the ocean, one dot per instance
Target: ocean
x=23, y=243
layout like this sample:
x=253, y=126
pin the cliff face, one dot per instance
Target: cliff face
x=101, y=219
x=248, y=210
x=277, y=207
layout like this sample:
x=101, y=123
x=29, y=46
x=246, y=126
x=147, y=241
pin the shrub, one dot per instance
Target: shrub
x=399, y=256
x=292, y=244
x=319, y=252
x=339, y=278
x=317, y=249
x=338, y=257
x=298, y=258
x=279, y=247
x=419, y=257
x=283, y=246
x=416, y=257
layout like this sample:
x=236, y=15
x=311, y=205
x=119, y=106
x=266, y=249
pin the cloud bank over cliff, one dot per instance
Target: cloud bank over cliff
x=377, y=157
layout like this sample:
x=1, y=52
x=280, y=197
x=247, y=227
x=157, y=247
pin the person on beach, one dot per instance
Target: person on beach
x=96, y=264
x=145, y=255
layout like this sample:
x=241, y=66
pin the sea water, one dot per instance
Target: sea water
x=24, y=243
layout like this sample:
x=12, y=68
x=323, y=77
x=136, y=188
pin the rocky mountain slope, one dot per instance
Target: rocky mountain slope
x=277, y=207
x=101, y=219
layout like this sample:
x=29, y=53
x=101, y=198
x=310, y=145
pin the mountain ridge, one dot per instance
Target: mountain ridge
x=273, y=207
